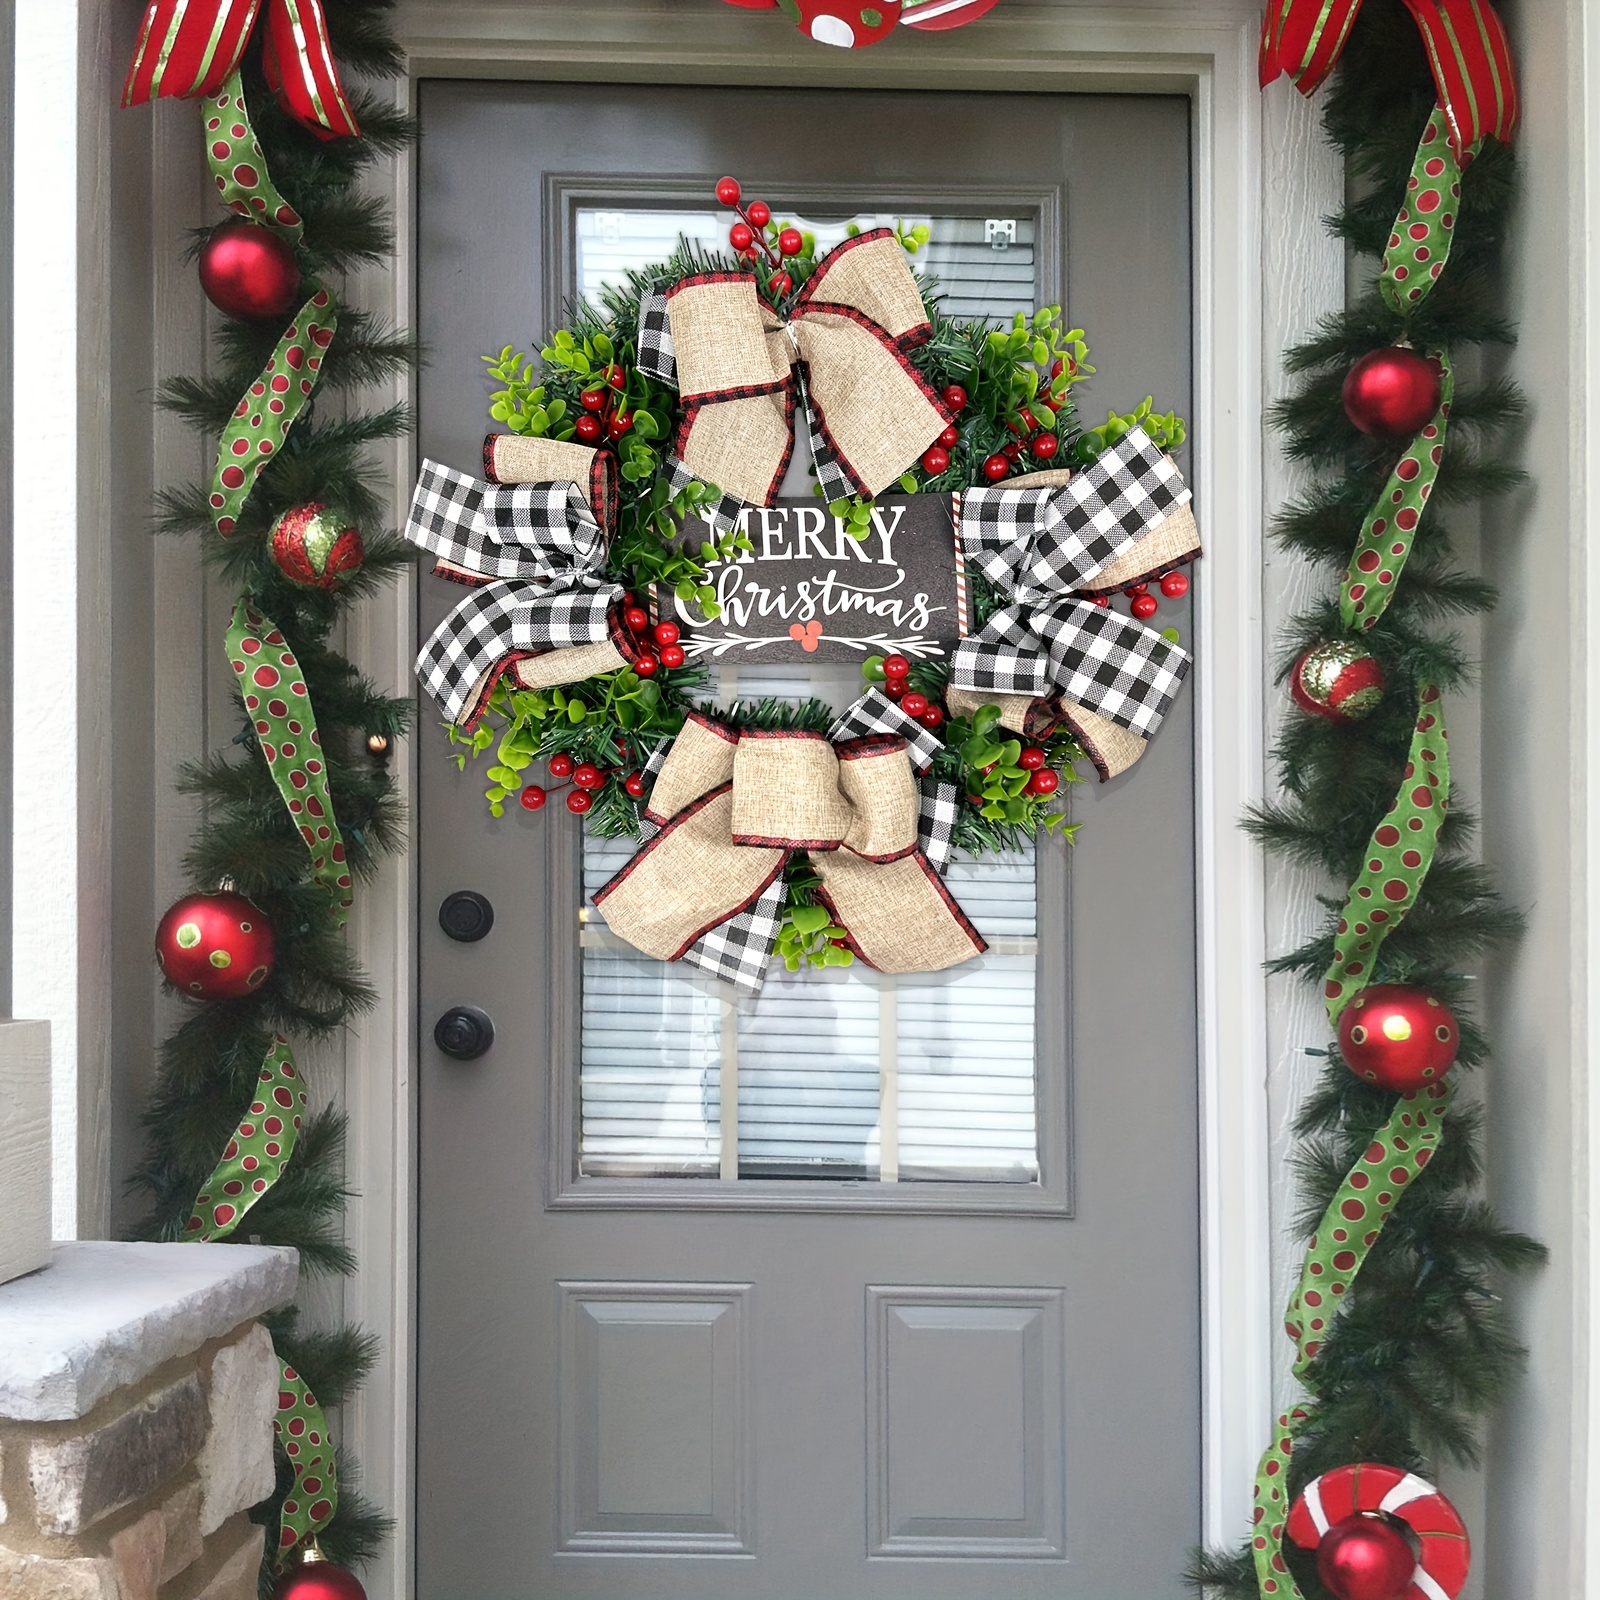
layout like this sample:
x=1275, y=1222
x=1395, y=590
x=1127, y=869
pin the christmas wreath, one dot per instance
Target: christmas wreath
x=608, y=542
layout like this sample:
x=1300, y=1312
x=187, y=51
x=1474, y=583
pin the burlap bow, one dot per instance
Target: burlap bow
x=531, y=542
x=733, y=807
x=841, y=356
x=1050, y=657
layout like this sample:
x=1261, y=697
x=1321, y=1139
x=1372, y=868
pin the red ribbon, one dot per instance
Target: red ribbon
x=189, y=48
x=1467, y=49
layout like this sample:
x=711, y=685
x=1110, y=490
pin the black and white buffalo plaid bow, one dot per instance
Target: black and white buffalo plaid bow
x=1037, y=546
x=532, y=552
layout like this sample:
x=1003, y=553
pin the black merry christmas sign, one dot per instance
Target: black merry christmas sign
x=807, y=591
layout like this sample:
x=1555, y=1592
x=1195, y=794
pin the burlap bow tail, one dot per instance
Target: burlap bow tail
x=531, y=542
x=1050, y=656
x=841, y=358
x=732, y=809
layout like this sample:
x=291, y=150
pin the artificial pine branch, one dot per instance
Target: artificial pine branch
x=208, y=1067
x=1422, y=1347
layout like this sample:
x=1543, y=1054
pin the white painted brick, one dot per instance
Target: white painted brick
x=235, y=1463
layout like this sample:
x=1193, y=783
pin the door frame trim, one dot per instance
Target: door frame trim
x=1250, y=175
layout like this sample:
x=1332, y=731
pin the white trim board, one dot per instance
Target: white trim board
x=1251, y=184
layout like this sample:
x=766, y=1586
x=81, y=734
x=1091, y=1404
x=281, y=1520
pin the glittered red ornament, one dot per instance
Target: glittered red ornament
x=311, y=549
x=249, y=271
x=215, y=946
x=1365, y=1558
x=1391, y=393
x=317, y=1578
x=1340, y=680
x=1399, y=1037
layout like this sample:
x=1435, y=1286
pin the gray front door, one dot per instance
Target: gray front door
x=875, y=1290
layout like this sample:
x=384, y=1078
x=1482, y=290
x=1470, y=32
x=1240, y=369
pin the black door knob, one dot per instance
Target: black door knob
x=464, y=1032
x=466, y=916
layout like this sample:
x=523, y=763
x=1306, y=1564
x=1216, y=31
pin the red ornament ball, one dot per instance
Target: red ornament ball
x=1044, y=781
x=215, y=946
x=647, y=666
x=312, y=550
x=1392, y=393
x=587, y=776
x=759, y=213
x=895, y=688
x=996, y=467
x=728, y=191
x=949, y=438
x=637, y=618
x=848, y=23
x=317, y=1578
x=1175, y=585
x=1144, y=606
x=587, y=428
x=1399, y=1037
x=1032, y=759
x=672, y=656
x=895, y=666
x=533, y=798
x=741, y=236
x=935, y=459
x=1365, y=1558
x=1340, y=680
x=791, y=242
x=915, y=704
x=249, y=271
x=634, y=784
x=667, y=633
x=1044, y=445
x=579, y=801
x=561, y=765
x=955, y=398
x=933, y=717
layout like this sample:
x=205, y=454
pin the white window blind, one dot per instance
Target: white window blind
x=840, y=1073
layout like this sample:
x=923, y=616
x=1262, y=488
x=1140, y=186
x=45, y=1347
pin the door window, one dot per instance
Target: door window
x=836, y=1073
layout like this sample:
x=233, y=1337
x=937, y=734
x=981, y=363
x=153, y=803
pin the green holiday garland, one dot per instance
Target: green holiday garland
x=1402, y=1342
x=229, y=1058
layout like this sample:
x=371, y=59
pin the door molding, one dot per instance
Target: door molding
x=1259, y=196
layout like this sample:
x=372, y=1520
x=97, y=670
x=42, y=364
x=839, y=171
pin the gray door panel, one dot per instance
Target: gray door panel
x=648, y=1403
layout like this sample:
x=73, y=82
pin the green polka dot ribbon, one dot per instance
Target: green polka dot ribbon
x=1398, y=856
x=1397, y=1156
x=258, y=1151
x=262, y=419
x=303, y=1432
x=285, y=725
x=1384, y=547
x=238, y=166
x=1419, y=243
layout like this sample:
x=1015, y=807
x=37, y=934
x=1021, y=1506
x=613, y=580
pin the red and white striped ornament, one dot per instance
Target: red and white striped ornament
x=1434, y=1523
x=937, y=15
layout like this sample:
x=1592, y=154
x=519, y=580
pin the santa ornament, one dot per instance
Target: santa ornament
x=1382, y=1534
x=850, y=25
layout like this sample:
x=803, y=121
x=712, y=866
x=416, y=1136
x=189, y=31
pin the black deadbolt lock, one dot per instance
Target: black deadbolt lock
x=464, y=1032
x=466, y=916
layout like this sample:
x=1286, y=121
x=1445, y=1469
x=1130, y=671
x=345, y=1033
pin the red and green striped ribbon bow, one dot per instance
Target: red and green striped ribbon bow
x=259, y=1150
x=1384, y=547
x=1467, y=47
x=262, y=419
x=1397, y=1156
x=190, y=48
x=303, y=1432
x=285, y=724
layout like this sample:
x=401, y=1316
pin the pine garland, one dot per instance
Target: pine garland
x=209, y=1064
x=1422, y=1347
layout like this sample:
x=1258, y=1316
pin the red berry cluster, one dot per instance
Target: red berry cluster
x=657, y=646
x=896, y=671
x=936, y=458
x=586, y=781
x=1040, y=442
x=603, y=417
x=748, y=236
